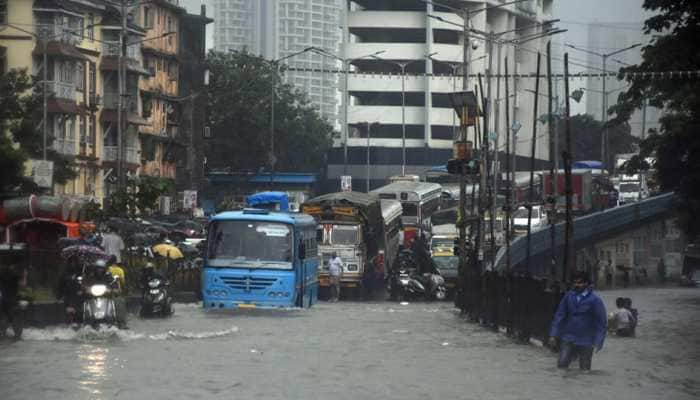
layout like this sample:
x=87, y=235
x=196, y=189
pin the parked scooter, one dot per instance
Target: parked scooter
x=156, y=299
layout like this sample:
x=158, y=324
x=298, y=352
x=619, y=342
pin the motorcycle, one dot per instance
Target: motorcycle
x=99, y=307
x=156, y=300
x=405, y=281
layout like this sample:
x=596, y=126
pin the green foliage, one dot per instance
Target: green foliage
x=12, y=159
x=20, y=115
x=586, y=136
x=139, y=197
x=675, y=28
x=239, y=105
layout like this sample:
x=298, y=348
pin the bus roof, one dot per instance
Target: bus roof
x=420, y=188
x=264, y=215
x=391, y=210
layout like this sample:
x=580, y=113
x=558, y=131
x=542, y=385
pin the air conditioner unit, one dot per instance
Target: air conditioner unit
x=207, y=132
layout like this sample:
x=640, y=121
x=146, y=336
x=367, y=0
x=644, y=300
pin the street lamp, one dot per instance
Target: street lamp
x=402, y=65
x=346, y=95
x=604, y=117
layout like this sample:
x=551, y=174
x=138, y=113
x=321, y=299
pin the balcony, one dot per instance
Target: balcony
x=65, y=147
x=112, y=48
x=57, y=32
x=129, y=102
x=131, y=154
x=61, y=90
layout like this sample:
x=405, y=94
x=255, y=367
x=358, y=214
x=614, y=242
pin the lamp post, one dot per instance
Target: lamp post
x=402, y=66
x=346, y=95
x=604, y=116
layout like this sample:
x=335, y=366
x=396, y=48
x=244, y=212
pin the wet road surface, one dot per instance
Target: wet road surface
x=351, y=350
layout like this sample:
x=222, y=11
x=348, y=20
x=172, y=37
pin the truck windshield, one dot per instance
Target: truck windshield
x=345, y=234
x=629, y=187
x=257, y=244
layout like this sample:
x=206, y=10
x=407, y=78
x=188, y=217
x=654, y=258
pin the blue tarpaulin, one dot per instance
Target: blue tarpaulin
x=269, y=198
x=591, y=164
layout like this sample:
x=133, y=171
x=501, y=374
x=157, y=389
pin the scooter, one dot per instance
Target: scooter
x=156, y=300
x=99, y=307
x=405, y=282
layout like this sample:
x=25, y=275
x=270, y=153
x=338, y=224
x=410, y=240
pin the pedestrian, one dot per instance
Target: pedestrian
x=115, y=268
x=12, y=279
x=661, y=271
x=625, y=277
x=579, y=325
x=627, y=303
x=113, y=244
x=335, y=270
x=608, y=274
x=69, y=290
x=622, y=319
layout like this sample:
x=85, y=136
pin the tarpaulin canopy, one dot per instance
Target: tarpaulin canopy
x=262, y=198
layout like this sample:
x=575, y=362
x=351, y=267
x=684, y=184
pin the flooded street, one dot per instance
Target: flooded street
x=351, y=350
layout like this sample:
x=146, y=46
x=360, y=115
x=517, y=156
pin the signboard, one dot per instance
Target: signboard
x=42, y=170
x=346, y=183
x=165, y=205
x=189, y=200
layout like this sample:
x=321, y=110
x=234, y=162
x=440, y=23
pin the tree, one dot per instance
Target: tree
x=19, y=115
x=139, y=197
x=586, y=134
x=676, y=146
x=239, y=114
x=12, y=158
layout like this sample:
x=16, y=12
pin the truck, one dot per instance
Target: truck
x=631, y=188
x=581, y=185
x=360, y=228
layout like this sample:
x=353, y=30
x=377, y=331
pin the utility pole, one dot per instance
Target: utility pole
x=567, y=156
x=552, y=162
x=120, y=100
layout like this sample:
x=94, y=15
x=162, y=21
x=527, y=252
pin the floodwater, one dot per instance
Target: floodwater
x=351, y=350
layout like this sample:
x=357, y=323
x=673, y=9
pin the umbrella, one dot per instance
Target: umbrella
x=168, y=250
x=84, y=251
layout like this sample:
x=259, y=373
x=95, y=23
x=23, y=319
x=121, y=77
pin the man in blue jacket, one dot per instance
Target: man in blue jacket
x=580, y=324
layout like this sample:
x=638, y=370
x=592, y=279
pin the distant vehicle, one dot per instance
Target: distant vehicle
x=404, y=178
x=419, y=201
x=276, y=201
x=581, y=185
x=357, y=227
x=442, y=253
x=260, y=258
x=631, y=188
x=538, y=219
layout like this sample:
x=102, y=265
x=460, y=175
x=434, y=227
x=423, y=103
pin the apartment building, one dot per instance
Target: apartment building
x=381, y=36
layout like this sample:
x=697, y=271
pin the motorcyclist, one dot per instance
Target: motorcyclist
x=101, y=275
x=148, y=273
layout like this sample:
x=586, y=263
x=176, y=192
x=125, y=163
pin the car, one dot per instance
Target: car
x=538, y=219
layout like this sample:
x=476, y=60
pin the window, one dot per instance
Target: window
x=93, y=78
x=93, y=131
x=147, y=17
x=91, y=27
x=3, y=60
x=170, y=28
x=80, y=77
x=3, y=11
x=172, y=71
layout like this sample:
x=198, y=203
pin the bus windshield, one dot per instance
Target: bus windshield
x=345, y=234
x=253, y=244
x=409, y=209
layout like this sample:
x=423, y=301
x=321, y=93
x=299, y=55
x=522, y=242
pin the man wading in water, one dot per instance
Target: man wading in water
x=579, y=324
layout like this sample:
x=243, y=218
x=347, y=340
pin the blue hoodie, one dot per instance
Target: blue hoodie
x=580, y=319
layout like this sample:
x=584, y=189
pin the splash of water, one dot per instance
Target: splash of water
x=87, y=334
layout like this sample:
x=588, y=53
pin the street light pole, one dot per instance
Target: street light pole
x=604, y=116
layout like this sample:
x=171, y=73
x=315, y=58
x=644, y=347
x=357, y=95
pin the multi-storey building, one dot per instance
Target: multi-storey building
x=277, y=28
x=160, y=90
x=65, y=34
x=406, y=33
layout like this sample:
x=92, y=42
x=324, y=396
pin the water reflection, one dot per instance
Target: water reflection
x=93, y=367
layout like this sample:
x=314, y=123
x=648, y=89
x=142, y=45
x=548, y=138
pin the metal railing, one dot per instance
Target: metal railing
x=110, y=100
x=112, y=48
x=65, y=147
x=131, y=154
x=58, y=32
x=62, y=90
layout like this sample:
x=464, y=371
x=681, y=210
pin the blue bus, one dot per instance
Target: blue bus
x=260, y=258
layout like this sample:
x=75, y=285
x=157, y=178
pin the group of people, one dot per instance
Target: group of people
x=580, y=323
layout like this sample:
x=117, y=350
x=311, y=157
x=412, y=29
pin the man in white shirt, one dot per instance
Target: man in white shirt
x=335, y=270
x=113, y=245
x=622, y=319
